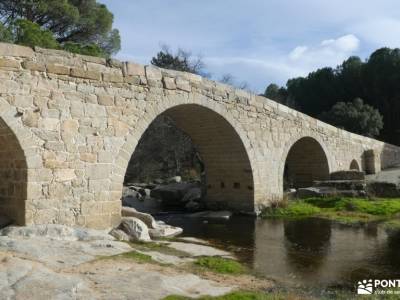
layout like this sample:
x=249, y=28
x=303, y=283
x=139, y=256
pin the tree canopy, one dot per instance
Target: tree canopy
x=355, y=116
x=180, y=61
x=375, y=80
x=82, y=26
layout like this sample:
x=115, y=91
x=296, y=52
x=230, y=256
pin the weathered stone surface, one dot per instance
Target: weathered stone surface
x=9, y=63
x=146, y=218
x=169, y=83
x=199, y=250
x=153, y=73
x=133, y=69
x=58, y=69
x=15, y=50
x=136, y=229
x=164, y=231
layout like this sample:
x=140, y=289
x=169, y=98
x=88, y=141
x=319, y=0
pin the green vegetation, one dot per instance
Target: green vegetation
x=342, y=209
x=134, y=255
x=239, y=295
x=159, y=247
x=137, y=256
x=83, y=27
x=294, y=209
x=220, y=265
x=355, y=116
x=392, y=225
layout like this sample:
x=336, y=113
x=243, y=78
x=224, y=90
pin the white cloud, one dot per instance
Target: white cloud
x=330, y=52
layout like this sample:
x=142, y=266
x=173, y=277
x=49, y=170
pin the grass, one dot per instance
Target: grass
x=134, y=255
x=137, y=256
x=341, y=209
x=159, y=247
x=220, y=265
x=392, y=225
x=294, y=209
x=239, y=295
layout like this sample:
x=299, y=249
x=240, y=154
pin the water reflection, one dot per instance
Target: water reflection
x=307, y=243
x=309, y=252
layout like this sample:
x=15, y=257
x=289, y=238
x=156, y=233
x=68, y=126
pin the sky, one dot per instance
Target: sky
x=257, y=41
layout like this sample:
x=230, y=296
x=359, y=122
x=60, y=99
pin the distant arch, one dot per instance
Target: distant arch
x=306, y=162
x=354, y=165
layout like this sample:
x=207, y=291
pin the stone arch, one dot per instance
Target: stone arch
x=223, y=145
x=354, y=165
x=19, y=154
x=13, y=176
x=305, y=161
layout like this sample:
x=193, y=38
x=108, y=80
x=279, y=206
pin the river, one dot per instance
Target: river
x=309, y=253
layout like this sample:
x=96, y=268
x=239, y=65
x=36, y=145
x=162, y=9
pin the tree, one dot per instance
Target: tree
x=276, y=93
x=356, y=117
x=30, y=34
x=230, y=80
x=83, y=22
x=180, y=61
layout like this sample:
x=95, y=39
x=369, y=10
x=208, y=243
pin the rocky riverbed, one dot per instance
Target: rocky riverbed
x=59, y=262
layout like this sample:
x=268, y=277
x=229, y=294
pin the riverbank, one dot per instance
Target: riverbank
x=59, y=262
x=341, y=209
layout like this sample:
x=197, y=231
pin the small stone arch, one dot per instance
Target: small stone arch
x=305, y=161
x=354, y=165
x=223, y=145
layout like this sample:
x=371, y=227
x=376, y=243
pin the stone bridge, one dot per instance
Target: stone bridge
x=69, y=125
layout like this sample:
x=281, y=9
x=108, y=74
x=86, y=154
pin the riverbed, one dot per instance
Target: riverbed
x=309, y=253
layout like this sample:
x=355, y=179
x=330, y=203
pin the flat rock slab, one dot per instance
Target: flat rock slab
x=196, y=250
x=24, y=279
x=104, y=279
x=119, y=279
x=61, y=254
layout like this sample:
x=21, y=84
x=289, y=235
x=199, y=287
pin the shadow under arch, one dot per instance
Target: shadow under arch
x=13, y=176
x=306, y=161
x=354, y=165
x=223, y=147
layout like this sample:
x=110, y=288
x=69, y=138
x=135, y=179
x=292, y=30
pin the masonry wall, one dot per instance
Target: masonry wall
x=78, y=119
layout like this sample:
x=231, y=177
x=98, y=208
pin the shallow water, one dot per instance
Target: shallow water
x=311, y=253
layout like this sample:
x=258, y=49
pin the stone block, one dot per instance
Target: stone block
x=15, y=50
x=33, y=66
x=98, y=171
x=106, y=100
x=153, y=73
x=133, y=69
x=58, y=69
x=169, y=83
x=9, y=63
x=62, y=175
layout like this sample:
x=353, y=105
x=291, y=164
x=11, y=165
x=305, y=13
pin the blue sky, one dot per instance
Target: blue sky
x=257, y=41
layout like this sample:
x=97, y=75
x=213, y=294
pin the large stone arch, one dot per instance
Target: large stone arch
x=309, y=160
x=18, y=159
x=223, y=144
